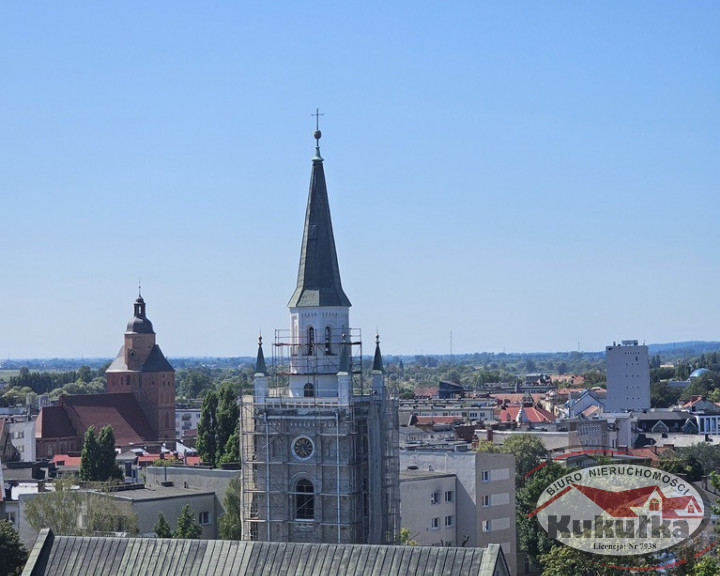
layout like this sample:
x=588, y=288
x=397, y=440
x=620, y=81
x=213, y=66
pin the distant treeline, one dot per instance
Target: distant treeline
x=45, y=382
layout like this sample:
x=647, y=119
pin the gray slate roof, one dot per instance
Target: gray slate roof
x=156, y=362
x=318, y=281
x=82, y=556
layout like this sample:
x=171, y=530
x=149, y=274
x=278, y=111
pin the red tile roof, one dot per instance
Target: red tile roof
x=121, y=411
x=65, y=460
x=534, y=414
x=53, y=422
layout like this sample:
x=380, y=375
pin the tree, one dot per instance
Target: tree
x=89, y=457
x=406, y=538
x=68, y=511
x=187, y=528
x=161, y=527
x=231, y=521
x=206, y=435
x=228, y=425
x=662, y=396
x=532, y=537
x=97, y=460
x=219, y=427
x=563, y=560
x=13, y=553
x=194, y=383
x=529, y=453
x=706, y=566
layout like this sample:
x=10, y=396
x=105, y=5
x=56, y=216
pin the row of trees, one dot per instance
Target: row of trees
x=218, y=438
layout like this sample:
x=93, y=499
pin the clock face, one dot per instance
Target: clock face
x=303, y=448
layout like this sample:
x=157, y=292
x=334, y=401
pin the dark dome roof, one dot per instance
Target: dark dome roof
x=140, y=326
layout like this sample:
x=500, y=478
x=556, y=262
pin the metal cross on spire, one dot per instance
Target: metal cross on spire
x=318, y=134
x=317, y=118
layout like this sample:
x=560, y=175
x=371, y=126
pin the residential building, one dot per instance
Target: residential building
x=628, y=377
x=484, y=496
x=428, y=507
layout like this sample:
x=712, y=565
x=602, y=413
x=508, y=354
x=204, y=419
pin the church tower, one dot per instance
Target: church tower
x=319, y=446
x=141, y=368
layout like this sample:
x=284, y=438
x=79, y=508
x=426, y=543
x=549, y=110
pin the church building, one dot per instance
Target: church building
x=139, y=403
x=319, y=444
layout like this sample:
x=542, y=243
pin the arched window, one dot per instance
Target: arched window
x=328, y=335
x=654, y=505
x=310, y=340
x=309, y=390
x=304, y=500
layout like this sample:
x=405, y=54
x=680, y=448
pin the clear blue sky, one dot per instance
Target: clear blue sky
x=526, y=175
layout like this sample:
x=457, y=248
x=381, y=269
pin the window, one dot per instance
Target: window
x=328, y=336
x=449, y=521
x=486, y=475
x=309, y=390
x=449, y=496
x=304, y=500
x=434, y=497
x=254, y=531
x=654, y=505
x=49, y=450
x=435, y=524
x=486, y=501
x=486, y=526
x=204, y=518
x=10, y=517
x=310, y=340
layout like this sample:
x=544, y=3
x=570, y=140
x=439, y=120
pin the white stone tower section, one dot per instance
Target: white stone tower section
x=628, y=377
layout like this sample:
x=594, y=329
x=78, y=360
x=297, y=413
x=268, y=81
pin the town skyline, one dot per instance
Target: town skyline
x=528, y=178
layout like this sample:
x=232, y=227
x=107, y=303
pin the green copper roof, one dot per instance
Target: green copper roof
x=318, y=282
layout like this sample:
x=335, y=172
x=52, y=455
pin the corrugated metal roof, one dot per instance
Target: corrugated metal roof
x=82, y=556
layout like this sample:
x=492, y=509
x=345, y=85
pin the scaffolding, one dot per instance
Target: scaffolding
x=353, y=453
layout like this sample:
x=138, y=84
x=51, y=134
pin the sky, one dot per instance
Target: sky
x=503, y=176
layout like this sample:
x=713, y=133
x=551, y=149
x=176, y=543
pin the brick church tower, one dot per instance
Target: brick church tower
x=141, y=369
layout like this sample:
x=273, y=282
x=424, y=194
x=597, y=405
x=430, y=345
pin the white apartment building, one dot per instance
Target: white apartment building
x=427, y=507
x=628, y=377
x=484, y=498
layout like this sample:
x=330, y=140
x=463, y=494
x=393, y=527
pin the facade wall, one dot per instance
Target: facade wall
x=495, y=480
x=202, y=506
x=22, y=435
x=628, y=377
x=313, y=453
x=428, y=507
x=468, y=468
x=204, y=479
